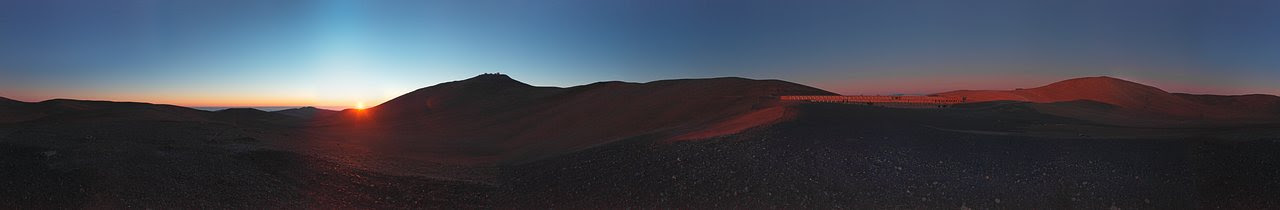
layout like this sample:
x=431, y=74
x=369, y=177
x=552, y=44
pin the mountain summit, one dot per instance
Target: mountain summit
x=486, y=91
x=494, y=80
x=497, y=77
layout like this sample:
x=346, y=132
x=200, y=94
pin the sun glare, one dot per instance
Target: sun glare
x=360, y=105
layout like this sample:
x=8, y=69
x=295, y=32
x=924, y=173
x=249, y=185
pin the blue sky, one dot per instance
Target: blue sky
x=337, y=53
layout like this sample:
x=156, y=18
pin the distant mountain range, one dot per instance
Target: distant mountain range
x=494, y=142
x=493, y=117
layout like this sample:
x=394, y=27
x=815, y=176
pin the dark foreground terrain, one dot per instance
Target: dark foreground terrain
x=842, y=156
x=183, y=170
x=830, y=156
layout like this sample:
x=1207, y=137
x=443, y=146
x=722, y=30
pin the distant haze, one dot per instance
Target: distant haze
x=337, y=53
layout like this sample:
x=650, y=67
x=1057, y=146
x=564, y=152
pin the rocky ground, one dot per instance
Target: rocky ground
x=830, y=156
x=878, y=172
x=196, y=165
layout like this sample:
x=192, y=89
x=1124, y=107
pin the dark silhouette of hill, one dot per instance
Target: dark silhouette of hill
x=17, y=111
x=58, y=110
x=70, y=110
x=6, y=101
x=308, y=112
x=485, y=91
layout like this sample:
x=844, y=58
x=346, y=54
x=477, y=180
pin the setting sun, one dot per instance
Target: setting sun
x=360, y=105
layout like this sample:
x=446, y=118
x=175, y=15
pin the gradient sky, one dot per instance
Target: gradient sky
x=338, y=53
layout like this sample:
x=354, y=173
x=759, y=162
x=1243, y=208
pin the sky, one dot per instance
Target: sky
x=337, y=53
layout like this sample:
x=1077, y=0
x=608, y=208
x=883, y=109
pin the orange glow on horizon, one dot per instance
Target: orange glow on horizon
x=203, y=99
x=360, y=105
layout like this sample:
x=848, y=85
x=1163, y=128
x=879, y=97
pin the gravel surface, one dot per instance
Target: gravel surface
x=826, y=160
x=829, y=157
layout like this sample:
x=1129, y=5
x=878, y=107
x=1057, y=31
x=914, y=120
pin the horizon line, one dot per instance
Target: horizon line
x=832, y=90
